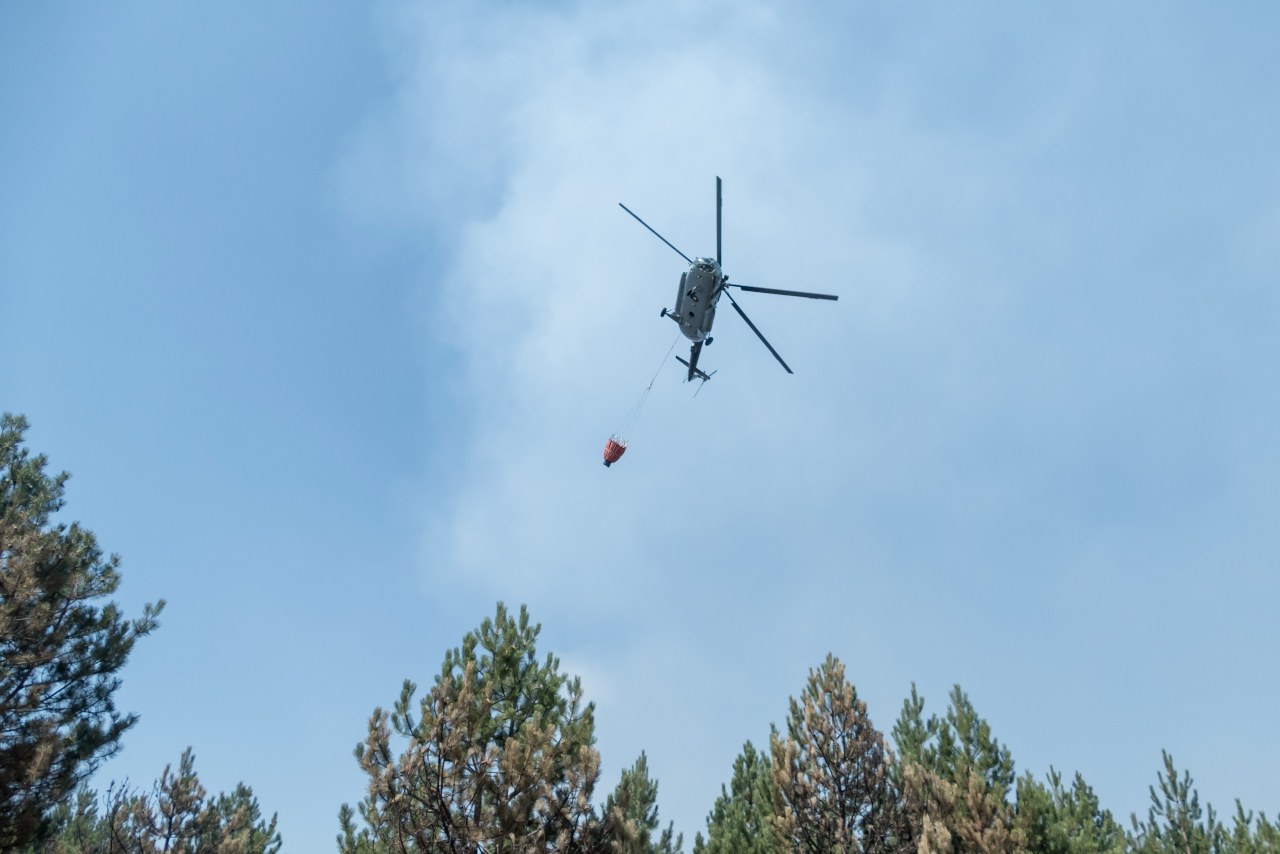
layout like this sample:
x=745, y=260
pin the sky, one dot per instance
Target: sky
x=330, y=309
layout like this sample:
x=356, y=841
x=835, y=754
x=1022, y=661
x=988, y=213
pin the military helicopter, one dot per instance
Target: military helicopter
x=700, y=289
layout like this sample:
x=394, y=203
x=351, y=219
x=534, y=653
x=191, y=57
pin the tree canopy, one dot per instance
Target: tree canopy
x=831, y=773
x=62, y=645
x=499, y=755
x=741, y=821
x=175, y=815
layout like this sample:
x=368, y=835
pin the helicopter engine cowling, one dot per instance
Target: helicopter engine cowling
x=696, y=300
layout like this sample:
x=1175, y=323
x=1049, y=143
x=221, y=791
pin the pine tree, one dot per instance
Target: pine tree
x=1175, y=822
x=1250, y=836
x=965, y=744
x=631, y=815
x=1056, y=820
x=177, y=815
x=242, y=826
x=353, y=839
x=499, y=755
x=741, y=822
x=832, y=790
x=955, y=778
x=75, y=827
x=911, y=733
x=61, y=646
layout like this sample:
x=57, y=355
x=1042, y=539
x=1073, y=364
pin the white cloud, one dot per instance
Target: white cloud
x=957, y=422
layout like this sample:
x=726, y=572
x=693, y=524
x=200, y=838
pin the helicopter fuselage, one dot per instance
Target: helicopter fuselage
x=700, y=289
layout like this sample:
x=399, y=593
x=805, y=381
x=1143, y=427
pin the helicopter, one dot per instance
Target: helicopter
x=700, y=289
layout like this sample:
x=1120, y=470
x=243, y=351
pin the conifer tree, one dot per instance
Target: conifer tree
x=1055, y=819
x=955, y=778
x=1253, y=836
x=61, y=646
x=498, y=756
x=741, y=822
x=964, y=744
x=75, y=826
x=911, y=733
x=832, y=789
x=1175, y=821
x=353, y=839
x=631, y=815
x=177, y=815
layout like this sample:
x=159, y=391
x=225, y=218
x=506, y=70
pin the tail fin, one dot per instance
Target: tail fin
x=692, y=364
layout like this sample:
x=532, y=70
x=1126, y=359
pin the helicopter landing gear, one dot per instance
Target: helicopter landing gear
x=663, y=314
x=708, y=341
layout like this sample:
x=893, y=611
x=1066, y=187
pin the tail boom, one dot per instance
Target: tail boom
x=692, y=364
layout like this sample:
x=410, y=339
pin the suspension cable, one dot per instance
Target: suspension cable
x=634, y=415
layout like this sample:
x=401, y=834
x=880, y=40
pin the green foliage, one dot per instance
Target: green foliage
x=962, y=743
x=1057, y=820
x=911, y=733
x=178, y=815
x=175, y=816
x=241, y=823
x=60, y=646
x=74, y=827
x=1175, y=821
x=1250, y=836
x=955, y=778
x=498, y=755
x=741, y=822
x=631, y=814
x=831, y=785
x=353, y=839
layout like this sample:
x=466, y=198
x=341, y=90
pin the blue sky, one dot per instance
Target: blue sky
x=330, y=310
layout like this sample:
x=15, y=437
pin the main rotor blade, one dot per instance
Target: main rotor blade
x=785, y=293
x=743, y=314
x=719, y=260
x=655, y=234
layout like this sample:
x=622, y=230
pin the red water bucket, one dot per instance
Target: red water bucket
x=613, y=450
